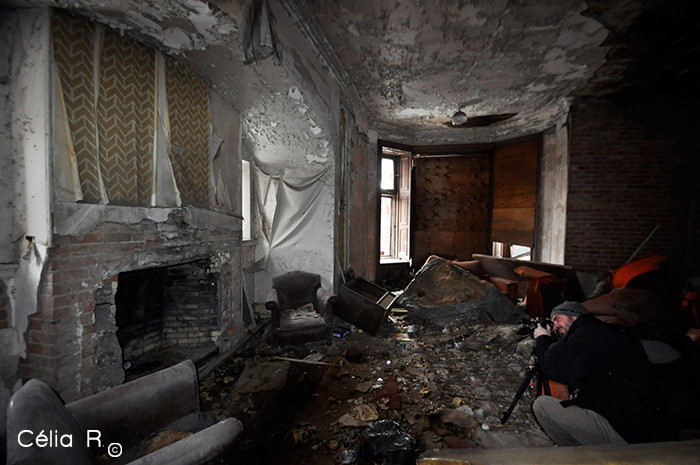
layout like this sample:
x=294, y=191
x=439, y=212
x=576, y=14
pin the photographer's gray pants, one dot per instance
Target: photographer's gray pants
x=573, y=425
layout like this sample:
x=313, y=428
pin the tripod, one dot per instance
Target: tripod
x=530, y=372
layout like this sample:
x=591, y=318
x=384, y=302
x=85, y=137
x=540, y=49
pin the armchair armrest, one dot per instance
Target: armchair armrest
x=129, y=412
x=198, y=448
x=272, y=303
x=325, y=300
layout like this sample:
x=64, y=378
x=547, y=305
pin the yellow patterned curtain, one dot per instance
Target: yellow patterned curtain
x=126, y=119
x=189, y=114
x=111, y=116
x=73, y=40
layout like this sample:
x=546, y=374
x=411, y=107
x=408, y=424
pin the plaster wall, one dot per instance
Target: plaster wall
x=24, y=174
x=30, y=123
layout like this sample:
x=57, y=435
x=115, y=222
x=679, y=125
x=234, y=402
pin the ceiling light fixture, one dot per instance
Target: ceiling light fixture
x=459, y=118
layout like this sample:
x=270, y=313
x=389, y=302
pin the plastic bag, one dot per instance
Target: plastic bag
x=386, y=440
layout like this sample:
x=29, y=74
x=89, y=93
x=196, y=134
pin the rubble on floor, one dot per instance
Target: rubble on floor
x=441, y=291
x=445, y=385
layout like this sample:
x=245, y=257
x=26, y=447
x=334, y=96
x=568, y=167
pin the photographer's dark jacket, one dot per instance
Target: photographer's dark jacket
x=611, y=374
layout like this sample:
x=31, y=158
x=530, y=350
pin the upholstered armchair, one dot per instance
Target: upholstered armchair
x=301, y=310
x=132, y=420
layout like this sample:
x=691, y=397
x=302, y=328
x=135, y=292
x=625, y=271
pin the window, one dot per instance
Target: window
x=387, y=242
x=519, y=252
x=395, y=186
x=245, y=204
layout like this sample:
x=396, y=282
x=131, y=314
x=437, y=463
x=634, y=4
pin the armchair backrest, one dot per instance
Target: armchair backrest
x=296, y=288
x=36, y=409
x=170, y=394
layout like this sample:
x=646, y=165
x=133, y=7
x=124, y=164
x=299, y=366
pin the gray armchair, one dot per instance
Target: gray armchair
x=123, y=415
x=289, y=322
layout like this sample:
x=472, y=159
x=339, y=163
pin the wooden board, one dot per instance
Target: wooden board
x=451, y=207
x=676, y=453
x=515, y=193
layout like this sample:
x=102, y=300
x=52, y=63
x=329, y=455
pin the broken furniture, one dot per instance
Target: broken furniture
x=505, y=268
x=544, y=291
x=364, y=304
x=122, y=417
x=506, y=286
x=302, y=310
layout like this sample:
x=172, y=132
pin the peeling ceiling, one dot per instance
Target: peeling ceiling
x=407, y=65
x=415, y=63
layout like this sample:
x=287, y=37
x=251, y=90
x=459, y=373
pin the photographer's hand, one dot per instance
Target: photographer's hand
x=542, y=331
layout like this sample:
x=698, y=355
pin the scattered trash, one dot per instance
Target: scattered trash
x=386, y=440
x=359, y=415
x=314, y=357
x=341, y=331
x=127, y=365
x=402, y=337
x=348, y=456
x=364, y=386
x=353, y=354
x=424, y=391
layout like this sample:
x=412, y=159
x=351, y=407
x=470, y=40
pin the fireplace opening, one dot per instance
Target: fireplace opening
x=165, y=315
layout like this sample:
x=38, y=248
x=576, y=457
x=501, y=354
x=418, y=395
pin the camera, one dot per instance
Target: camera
x=528, y=326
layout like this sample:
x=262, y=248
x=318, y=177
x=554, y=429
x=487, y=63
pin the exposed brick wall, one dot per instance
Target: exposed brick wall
x=62, y=336
x=633, y=164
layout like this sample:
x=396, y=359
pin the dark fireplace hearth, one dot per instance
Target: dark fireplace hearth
x=156, y=317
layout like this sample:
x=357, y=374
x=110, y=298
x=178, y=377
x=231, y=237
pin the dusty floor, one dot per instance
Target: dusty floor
x=445, y=386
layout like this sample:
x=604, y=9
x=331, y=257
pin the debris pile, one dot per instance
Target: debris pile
x=444, y=385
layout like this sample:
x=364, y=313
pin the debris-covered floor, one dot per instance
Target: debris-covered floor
x=444, y=385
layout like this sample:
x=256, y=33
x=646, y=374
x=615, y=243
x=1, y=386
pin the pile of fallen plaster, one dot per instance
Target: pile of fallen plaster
x=441, y=292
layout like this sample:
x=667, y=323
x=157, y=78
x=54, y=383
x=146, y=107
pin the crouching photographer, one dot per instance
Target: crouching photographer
x=610, y=378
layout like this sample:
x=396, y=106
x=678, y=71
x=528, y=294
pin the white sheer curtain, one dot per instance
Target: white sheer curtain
x=294, y=225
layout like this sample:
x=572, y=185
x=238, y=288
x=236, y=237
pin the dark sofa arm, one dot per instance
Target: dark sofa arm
x=129, y=412
x=198, y=448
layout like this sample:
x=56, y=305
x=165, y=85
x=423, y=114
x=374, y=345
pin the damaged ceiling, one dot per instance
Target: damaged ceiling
x=407, y=66
x=414, y=64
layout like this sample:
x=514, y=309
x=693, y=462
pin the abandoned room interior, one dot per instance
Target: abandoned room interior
x=318, y=231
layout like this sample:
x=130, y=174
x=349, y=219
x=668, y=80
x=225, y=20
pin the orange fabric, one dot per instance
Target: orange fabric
x=558, y=390
x=622, y=276
x=535, y=279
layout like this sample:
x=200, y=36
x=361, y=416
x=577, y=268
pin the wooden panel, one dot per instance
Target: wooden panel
x=451, y=207
x=513, y=225
x=515, y=193
x=403, y=212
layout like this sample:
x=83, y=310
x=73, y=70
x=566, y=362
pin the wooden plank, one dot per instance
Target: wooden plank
x=513, y=225
x=676, y=453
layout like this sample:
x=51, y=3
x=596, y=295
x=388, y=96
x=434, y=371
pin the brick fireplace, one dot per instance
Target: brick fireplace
x=181, y=267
